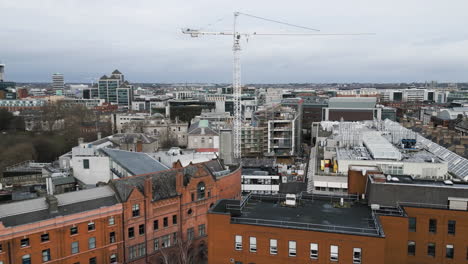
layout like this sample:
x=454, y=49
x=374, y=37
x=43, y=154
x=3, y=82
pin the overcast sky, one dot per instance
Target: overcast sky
x=416, y=40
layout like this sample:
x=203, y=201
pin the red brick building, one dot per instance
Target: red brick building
x=401, y=220
x=77, y=227
x=165, y=213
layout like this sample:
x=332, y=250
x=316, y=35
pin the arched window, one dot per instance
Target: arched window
x=201, y=190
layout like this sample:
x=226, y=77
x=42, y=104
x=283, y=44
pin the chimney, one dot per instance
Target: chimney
x=80, y=141
x=139, y=146
x=179, y=181
x=203, y=131
x=99, y=135
x=49, y=186
x=149, y=187
x=52, y=203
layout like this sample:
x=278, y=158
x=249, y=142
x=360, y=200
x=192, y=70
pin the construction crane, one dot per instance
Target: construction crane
x=236, y=74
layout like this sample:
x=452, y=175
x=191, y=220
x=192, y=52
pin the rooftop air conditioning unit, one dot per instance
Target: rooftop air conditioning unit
x=290, y=200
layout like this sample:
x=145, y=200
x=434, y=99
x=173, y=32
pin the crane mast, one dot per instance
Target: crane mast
x=237, y=91
x=236, y=73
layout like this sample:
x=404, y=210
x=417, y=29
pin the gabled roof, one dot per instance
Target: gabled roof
x=164, y=182
x=116, y=72
x=202, y=126
x=104, y=77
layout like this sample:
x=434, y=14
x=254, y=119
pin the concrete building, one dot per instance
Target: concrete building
x=2, y=72
x=352, y=109
x=387, y=145
x=100, y=161
x=58, y=83
x=202, y=136
x=166, y=211
x=254, y=141
x=77, y=227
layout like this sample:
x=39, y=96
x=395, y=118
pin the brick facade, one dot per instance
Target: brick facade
x=176, y=224
x=390, y=248
x=55, y=235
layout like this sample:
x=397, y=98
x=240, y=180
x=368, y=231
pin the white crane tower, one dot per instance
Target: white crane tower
x=236, y=74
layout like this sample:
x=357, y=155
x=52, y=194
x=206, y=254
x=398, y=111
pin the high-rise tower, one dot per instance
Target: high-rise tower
x=2, y=72
x=57, y=81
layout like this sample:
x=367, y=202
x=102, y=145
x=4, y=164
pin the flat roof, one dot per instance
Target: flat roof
x=406, y=179
x=317, y=214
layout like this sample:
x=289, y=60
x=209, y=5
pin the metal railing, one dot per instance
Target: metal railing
x=422, y=205
x=306, y=226
x=35, y=178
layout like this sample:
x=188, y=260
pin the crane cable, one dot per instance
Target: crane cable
x=279, y=22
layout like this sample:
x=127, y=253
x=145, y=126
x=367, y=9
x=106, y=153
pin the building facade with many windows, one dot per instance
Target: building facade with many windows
x=165, y=213
x=76, y=227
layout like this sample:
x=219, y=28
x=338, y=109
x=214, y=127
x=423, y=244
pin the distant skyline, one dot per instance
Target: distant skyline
x=415, y=41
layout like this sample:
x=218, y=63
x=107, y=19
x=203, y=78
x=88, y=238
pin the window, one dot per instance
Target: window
x=136, y=251
x=44, y=238
x=449, y=251
x=135, y=210
x=156, y=244
x=253, y=244
x=238, y=243
x=1, y=248
x=112, y=237
x=190, y=233
x=174, y=238
x=113, y=258
x=73, y=230
x=209, y=194
x=431, y=248
x=313, y=251
x=165, y=222
x=357, y=255
x=166, y=241
x=45, y=255
x=201, y=190
x=91, y=226
x=174, y=219
x=432, y=225
x=201, y=230
x=412, y=224
x=26, y=259
x=111, y=220
x=292, y=248
x=411, y=248
x=189, y=212
x=93, y=260
x=451, y=227
x=155, y=224
x=25, y=242
x=273, y=246
x=193, y=196
x=141, y=229
x=75, y=247
x=131, y=232
x=92, y=242
x=86, y=164
x=333, y=253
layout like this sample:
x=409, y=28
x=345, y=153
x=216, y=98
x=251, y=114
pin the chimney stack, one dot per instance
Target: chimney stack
x=99, y=135
x=52, y=203
x=80, y=141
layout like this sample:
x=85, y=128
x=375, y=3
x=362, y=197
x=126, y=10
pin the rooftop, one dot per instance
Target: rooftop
x=134, y=162
x=313, y=212
x=34, y=210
